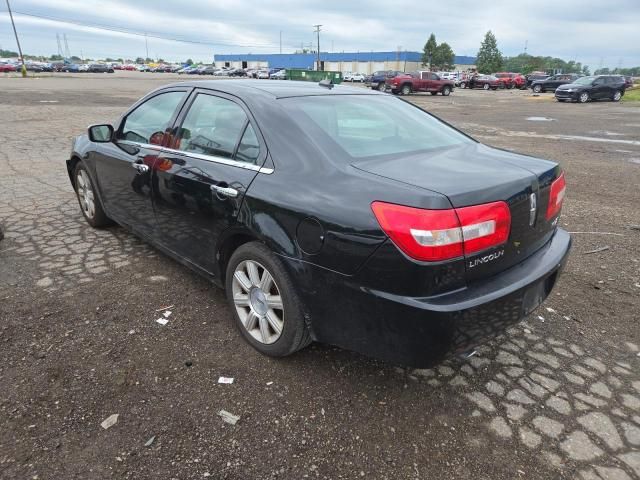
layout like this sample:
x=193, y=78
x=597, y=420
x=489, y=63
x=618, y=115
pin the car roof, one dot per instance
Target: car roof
x=276, y=89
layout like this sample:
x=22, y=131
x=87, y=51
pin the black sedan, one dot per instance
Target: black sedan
x=598, y=87
x=332, y=214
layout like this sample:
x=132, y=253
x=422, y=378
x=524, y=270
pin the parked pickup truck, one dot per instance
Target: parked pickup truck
x=407, y=83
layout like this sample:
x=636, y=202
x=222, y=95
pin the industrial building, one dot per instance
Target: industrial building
x=360, y=62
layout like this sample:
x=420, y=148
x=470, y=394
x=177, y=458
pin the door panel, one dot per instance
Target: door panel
x=200, y=181
x=124, y=167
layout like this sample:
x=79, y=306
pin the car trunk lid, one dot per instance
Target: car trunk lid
x=474, y=174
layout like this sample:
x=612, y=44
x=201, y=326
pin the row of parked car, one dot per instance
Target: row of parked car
x=567, y=87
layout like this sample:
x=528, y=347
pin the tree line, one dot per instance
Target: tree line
x=490, y=59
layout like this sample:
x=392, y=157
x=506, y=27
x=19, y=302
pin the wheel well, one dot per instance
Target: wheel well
x=407, y=84
x=71, y=166
x=230, y=245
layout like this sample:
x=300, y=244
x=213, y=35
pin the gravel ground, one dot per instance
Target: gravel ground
x=557, y=396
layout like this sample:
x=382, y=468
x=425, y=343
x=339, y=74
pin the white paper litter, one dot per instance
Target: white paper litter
x=110, y=421
x=269, y=383
x=150, y=441
x=549, y=309
x=225, y=380
x=166, y=313
x=162, y=321
x=228, y=417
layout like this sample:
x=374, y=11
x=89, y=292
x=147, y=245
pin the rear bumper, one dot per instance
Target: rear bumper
x=421, y=331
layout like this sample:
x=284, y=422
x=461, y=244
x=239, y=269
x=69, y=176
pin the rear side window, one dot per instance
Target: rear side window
x=213, y=126
x=152, y=117
x=367, y=125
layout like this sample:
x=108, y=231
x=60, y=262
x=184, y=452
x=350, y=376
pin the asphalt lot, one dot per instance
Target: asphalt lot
x=556, y=397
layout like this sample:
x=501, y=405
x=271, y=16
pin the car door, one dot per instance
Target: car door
x=434, y=83
x=124, y=166
x=599, y=88
x=201, y=179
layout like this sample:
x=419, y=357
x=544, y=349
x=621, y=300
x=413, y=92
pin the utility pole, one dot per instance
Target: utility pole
x=526, y=43
x=59, y=45
x=280, y=42
x=317, y=30
x=146, y=45
x=67, y=53
x=15, y=32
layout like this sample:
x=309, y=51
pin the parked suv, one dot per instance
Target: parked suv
x=553, y=82
x=407, y=83
x=99, y=68
x=595, y=87
x=510, y=79
x=377, y=80
x=536, y=76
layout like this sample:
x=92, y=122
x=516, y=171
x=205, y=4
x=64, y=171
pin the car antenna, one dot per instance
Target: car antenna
x=326, y=83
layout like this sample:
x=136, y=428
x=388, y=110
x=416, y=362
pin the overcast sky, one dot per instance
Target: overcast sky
x=608, y=35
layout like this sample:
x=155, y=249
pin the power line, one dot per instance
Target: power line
x=112, y=28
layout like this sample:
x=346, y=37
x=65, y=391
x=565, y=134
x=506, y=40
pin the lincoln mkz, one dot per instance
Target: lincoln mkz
x=331, y=214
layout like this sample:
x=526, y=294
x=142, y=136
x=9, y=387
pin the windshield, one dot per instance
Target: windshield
x=370, y=125
x=585, y=80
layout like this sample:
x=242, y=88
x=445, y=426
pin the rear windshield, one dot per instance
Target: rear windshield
x=371, y=125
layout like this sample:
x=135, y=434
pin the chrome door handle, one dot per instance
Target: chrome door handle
x=140, y=167
x=226, y=191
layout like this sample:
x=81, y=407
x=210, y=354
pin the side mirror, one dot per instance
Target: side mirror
x=101, y=133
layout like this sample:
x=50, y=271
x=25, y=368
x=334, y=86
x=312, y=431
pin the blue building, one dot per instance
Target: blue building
x=361, y=62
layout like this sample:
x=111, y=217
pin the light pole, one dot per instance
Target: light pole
x=317, y=27
x=15, y=32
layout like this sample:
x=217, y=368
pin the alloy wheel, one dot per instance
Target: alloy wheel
x=617, y=96
x=85, y=194
x=258, y=302
x=584, y=97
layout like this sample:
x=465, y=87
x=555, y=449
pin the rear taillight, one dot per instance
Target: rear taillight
x=434, y=235
x=556, y=196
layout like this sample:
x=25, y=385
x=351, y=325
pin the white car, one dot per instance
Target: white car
x=347, y=77
x=357, y=77
x=279, y=75
x=263, y=74
x=83, y=67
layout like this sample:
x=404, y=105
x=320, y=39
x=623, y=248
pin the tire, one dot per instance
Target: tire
x=537, y=89
x=90, y=204
x=380, y=87
x=583, y=97
x=463, y=84
x=510, y=86
x=264, y=322
x=617, y=95
x=406, y=89
x=446, y=91
x=486, y=86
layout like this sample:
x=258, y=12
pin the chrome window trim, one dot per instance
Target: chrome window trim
x=209, y=158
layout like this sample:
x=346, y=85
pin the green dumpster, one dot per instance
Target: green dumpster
x=313, y=75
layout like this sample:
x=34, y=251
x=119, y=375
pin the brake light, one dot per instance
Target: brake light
x=434, y=235
x=556, y=196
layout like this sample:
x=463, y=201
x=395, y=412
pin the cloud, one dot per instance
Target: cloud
x=567, y=29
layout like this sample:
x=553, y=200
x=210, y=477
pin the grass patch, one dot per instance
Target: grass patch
x=632, y=95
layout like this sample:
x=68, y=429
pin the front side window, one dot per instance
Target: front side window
x=213, y=126
x=151, y=118
x=367, y=126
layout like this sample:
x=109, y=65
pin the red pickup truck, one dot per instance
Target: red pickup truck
x=407, y=83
